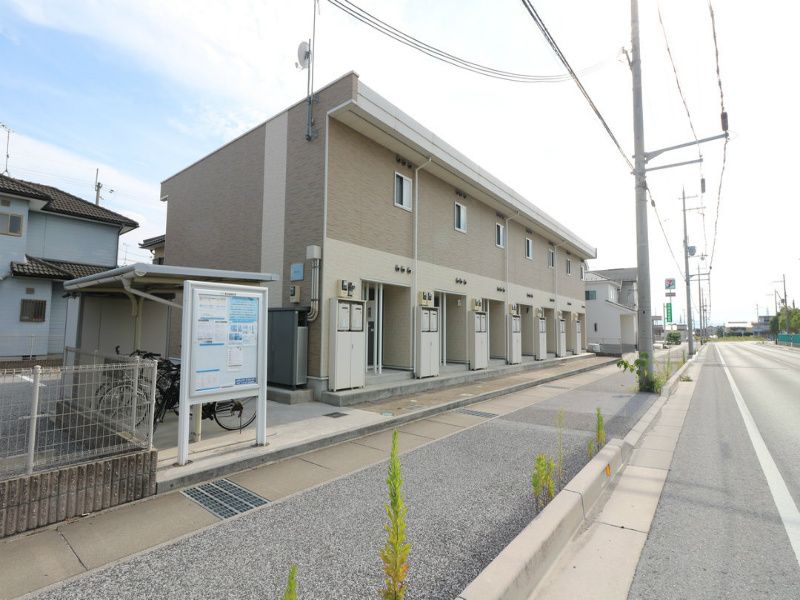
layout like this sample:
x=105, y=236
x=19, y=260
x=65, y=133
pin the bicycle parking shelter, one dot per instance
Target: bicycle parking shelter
x=224, y=329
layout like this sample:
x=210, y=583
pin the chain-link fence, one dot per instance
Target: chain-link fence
x=81, y=413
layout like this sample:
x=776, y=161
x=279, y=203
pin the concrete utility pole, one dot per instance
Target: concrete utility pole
x=700, y=300
x=642, y=247
x=786, y=302
x=688, y=278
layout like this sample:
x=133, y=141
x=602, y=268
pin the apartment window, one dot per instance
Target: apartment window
x=595, y=327
x=529, y=248
x=402, y=191
x=32, y=311
x=583, y=272
x=569, y=266
x=10, y=224
x=591, y=294
x=500, y=235
x=461, y=218
x=5, y=202
x=551, y=257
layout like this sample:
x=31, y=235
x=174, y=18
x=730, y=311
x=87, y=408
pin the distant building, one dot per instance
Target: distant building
x=48, y=236
x=156, y=246
x=761, y=327
x=611, y=310
x=738, y=328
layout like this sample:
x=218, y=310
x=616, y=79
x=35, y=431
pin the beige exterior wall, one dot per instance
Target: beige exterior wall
x=211, y=207
x=456, y=341
x=396, y=327
x=361, y=206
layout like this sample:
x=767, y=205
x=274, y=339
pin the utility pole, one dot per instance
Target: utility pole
x=786, y=303
x=97, y=187
x=686, y=270
x=699, y=299
x=642, y=248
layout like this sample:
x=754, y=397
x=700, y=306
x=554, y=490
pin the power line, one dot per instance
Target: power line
x=677, y=79
x=383, y=27
x=724, y=118
x=550, y=40
x=664, y=233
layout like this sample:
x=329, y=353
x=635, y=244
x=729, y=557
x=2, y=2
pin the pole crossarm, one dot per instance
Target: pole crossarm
x=654, y=153
x=678, y=164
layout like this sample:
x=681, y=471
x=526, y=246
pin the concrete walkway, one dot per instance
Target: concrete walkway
x=467, y=484
x=601, y=560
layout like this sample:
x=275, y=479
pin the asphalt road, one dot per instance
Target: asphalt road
x=718, y=531
x=468, y=496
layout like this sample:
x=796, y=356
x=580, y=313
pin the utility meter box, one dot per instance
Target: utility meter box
x=477, y=340
x=514, y=339
x=562, y=338
x=541, y=332
x=427, y=342
x=347, y=345
x=426, y=299
x=345, y=289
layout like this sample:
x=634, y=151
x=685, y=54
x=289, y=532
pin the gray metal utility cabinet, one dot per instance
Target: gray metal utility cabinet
x=287, y=347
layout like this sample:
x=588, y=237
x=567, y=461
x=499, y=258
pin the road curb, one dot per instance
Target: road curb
x=518, y=569
x=257, y=456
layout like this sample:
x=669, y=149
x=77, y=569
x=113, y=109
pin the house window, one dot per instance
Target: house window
x=402, y=191
x=595, y=327
x=499, y=235
x=529, y=248
x=5, y=202
x=583, y=272
x=32, y=311
x=591, y=294
x=569, y=266
x=551, y=257
x=10, y=224
x=461, y=218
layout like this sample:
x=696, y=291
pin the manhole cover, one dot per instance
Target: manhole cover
x=224, y=498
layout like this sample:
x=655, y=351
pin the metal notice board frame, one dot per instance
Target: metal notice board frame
x=223, y=351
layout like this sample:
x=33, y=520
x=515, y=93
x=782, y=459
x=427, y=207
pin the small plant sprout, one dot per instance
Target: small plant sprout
x=560, y=456
x=395, y=553
x=601, y=430
x=291, y=585
x=590, y=448
x=542, y=480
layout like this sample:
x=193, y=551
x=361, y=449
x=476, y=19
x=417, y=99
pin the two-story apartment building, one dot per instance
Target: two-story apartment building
x=611, y=310
x=394, y=210
x=47, y=236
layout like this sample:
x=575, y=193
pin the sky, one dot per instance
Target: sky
x=140, y=89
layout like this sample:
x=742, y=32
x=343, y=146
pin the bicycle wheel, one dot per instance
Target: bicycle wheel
x=115, y=404
x=235, y=415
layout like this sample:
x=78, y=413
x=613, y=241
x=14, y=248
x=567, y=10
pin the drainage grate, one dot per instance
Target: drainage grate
x=224, y=498
x=476, y=413
x=335, y=415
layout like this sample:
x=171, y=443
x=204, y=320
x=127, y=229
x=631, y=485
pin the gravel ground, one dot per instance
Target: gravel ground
x=468, y=496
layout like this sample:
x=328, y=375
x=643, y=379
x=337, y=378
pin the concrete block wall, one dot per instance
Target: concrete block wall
x=32, y=501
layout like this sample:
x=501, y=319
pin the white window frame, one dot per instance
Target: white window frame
x=501, y=229
x=529, y=248
x=583, y=272
x=551, y=257
x=7, y=230
x=407, y=201
x=32, y=310
x=569, y=266
x=463, y=228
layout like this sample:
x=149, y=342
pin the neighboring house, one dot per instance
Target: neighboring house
x=396, y=211
x=611, y=310
x=156, y=246
x=761, y=327
x=47, y=236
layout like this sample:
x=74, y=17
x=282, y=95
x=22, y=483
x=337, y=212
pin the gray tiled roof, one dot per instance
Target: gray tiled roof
x=153, y=241
x=625, y=274
x=61, y=202
x=54, y=269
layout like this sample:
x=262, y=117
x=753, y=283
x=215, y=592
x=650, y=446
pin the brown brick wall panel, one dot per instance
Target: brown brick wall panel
x=107, y=483
x=44, y=498
x=33, y=502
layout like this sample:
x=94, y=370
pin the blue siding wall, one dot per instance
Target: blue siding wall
x=63, y=238
x=18, y=338
x=12, y=247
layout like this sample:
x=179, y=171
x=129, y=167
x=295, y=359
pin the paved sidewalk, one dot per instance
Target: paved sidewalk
x=468, y=495
x=601, y=560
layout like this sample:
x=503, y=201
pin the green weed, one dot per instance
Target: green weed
x=542, y=480
x=291, y=585
x=601, y=430
x=590, y=448
x=395, y=553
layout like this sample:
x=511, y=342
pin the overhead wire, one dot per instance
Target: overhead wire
x=432, y=51
x=723, y=115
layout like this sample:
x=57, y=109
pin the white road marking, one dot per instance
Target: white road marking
x=787, y=509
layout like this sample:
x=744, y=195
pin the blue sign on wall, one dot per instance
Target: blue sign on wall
x=296, y=272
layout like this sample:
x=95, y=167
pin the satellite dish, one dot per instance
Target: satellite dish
x=303, y=55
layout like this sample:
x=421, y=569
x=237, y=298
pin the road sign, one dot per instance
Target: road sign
x=669, y=312
x=669, y=283
x=670, y=294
